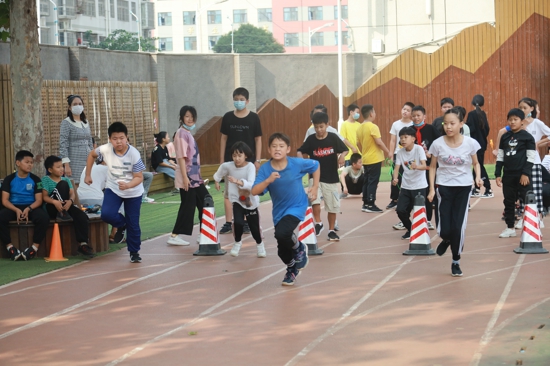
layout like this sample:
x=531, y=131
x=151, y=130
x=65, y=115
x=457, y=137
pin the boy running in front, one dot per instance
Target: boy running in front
x=282, y=178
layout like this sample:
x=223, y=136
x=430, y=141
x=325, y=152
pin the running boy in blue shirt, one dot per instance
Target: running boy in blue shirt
x=282, y=178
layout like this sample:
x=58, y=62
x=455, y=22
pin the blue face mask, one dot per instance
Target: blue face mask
x=239, y=104
x=189, y=128
x=418, y=125
x=356, y=116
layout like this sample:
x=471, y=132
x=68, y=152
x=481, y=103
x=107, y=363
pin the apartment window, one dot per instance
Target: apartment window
x=317, y=39
x=190, y=43
x=344, y=12
x=212, y=40
x=264, y=15
x=344, y=38
x=164, y=19
x=315, y=13
x=112, y=8
x=134, y=10
x=165, y=44
x=291, y=39
x=88, y=8
x=123, y=10
x=188, y=17
x=45, y=35
x=290, y=14
x=214, y=16
x=239, y=16
x=100, y=8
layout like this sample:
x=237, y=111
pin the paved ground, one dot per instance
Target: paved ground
x=361, y=303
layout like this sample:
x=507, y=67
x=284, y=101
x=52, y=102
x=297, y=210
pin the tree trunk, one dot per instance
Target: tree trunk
x=26, y=81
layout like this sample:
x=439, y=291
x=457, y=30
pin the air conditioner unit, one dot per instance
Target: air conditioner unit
x=377, y=46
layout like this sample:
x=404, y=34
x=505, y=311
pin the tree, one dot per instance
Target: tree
x=26, y=81
x=249, y=39
x=4, y=19
x=122, y=40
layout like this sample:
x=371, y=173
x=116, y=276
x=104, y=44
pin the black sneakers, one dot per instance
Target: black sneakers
x=135, y=258
x=332, y=236
x=120, y=235
x=442, y=247
x=28, y=253
x=407, y=236
x=455, y=270
x=227, y=228
x=371, y=208
x=290, y=276
x=319, y=228
x=86, y=250
x=14, y=253
x=64, y=216
x=391, y=205
x=300, y=257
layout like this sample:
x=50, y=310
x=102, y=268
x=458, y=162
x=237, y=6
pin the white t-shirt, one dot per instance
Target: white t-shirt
x=122, y=168
x=93, y=191
x=353, y=175
x=394, y=130
x=247, y=174
x=538, y=130
x=412, y=178
x=311, y=131
x=546, y=162
x=455, y=164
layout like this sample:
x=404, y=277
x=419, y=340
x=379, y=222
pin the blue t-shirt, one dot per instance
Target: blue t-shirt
x=22, y=190
x=287, y=192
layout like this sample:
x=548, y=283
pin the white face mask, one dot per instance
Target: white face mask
x=77, y=110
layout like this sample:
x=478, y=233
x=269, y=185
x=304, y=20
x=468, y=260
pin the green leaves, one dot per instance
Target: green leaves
x=4, y=20
x=249, y=39
x=122, y=40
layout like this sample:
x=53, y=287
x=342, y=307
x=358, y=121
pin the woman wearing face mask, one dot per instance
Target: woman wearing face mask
x=75, y=139
x=188, y=177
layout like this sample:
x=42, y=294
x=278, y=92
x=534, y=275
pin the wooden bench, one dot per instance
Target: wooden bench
x=161, y=183
x=21, y=236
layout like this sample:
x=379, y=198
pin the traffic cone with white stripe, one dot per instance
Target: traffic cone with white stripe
x=306, y=234
x=420, y=242
x=531, y=237
x=209, y=243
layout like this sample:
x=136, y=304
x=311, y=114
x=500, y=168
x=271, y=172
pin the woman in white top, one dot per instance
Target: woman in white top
x=75, y=139
x=538, y=130
x=453, y=156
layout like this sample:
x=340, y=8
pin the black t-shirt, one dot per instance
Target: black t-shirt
x=478, y=131
x=158, y=155
x=326, y=152
x=240, y=129
x=429, y=135
x=438, y=124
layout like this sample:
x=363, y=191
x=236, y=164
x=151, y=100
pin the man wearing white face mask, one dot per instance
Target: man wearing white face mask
x=239, y=125
x=75, y=139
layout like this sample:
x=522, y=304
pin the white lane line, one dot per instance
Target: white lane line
x=201, y=317
x=496, y=313
x=81, y=277
x=54, y=316
x=354, y=307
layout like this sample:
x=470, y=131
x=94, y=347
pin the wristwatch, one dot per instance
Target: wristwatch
x=30, y=208
x=258, y=161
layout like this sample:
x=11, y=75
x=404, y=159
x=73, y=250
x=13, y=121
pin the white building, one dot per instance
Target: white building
x=67, y=25
x=196, y=25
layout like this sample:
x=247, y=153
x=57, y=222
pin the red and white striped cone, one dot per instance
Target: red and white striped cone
x=209, y=242
x=419, y=242
x=531, y=237
x=306, y=234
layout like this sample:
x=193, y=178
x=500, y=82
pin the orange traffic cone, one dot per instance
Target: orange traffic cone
x=531, y=238
x=420, y=242
x=306, y=234
x=209, y=243
x=56, y=252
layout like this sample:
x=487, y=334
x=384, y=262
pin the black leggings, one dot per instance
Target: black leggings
x=286, y=239
x=452, y=215
x=484, y=176
x=252, y=218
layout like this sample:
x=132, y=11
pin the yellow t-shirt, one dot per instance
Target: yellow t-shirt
x=349, y=132
x=370, y=152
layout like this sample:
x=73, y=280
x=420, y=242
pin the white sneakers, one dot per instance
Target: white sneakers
x=236, y=247
x=519, y=225
x=261, y=250
x=430, y=226
x=176, y=240
x=507, y=233
x=147, y=200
